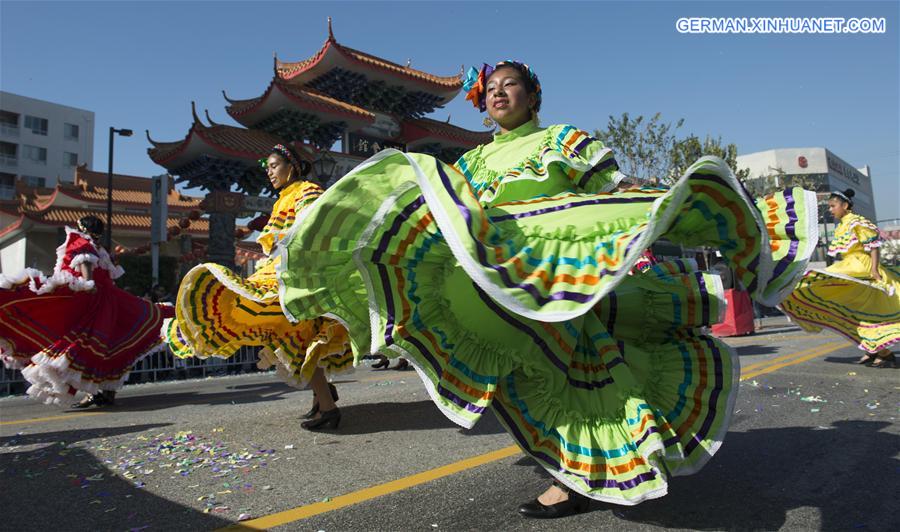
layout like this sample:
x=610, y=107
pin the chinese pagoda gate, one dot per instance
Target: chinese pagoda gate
x=338, y=94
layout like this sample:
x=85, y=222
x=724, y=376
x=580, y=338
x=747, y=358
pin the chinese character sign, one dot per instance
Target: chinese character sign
x=364, y=146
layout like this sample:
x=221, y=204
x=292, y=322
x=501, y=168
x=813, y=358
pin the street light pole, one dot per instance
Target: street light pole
x=109, y=184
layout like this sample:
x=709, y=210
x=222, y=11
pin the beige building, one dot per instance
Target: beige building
x=818, y=165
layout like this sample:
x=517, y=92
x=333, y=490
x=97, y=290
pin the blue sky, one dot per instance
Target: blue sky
x=138, y=65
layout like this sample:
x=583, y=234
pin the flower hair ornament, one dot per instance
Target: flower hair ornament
x=282, y=150
x=475, y=83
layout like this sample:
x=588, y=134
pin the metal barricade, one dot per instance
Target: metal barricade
x=11, y=382
x=159, y=366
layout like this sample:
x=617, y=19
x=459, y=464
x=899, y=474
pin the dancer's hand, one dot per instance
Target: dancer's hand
x=876, y=276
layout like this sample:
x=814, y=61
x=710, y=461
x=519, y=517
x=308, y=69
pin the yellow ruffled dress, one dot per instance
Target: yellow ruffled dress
x=217, y=312
x=844, y=297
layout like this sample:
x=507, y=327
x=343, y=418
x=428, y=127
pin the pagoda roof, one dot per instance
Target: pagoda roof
x=333, y=54
x=247, y=112
x=62, y=216
x=229, y=142
x=424, y=130
x=89, y=189
x=65, y=203
x=20, y=219
x=90, y=186
x=369, y=81
x=52, y=209
x=299, y=113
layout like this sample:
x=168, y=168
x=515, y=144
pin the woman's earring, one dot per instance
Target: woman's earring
x=487, y=122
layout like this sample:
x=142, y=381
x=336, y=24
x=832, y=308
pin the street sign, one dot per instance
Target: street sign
x=159, y=208
x=159, y=217
x=225, y=202
x=365, y=146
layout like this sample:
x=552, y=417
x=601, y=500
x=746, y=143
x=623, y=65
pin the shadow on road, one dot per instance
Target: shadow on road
x=756, y=349
x=852, y=361
x=758, y=476
x=59, y=487
x=72, y=436
x=420, y=415
x=241, y=394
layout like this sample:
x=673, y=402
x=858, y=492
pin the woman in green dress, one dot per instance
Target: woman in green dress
x=504, y=280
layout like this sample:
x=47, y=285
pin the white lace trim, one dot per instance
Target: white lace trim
x=104, y=260
x=52, y=379
x=83, y=258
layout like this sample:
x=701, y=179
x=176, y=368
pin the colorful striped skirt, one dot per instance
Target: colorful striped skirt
x=218, y=312
x=530, y=307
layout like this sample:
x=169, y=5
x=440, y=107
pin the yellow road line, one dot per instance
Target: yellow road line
x=770, y=361
x=302, y=512
x=750, y=340
x=51, y=418
x=823, y=350
x=85, y=414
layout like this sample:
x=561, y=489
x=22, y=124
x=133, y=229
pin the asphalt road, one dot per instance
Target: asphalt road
x=813, y=445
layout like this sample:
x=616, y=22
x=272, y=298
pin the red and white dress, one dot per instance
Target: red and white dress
x=70, y=334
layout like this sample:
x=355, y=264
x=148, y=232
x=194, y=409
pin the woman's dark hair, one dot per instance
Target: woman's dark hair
x=527, y=81
x=302, y=168
x=91, y=225
x=846, y=196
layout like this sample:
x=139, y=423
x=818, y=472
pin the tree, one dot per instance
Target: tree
x=138, y=278
x=685, y=152
x=642, y=147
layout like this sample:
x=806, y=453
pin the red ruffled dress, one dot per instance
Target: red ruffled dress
x=70, y=334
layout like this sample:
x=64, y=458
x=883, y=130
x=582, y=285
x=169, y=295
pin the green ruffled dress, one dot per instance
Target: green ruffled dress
x=507, y=281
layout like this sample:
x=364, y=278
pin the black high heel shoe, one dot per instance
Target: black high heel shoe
x=575, y=504
x=315, y=407
x=326, y=420
x=86, y=401
x=865, y=359
x=888, y=361
x=383, y=362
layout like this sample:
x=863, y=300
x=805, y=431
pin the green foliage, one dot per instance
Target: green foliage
x=687, y=151
x=138, y=276
x=651, y=152
x=641, y=147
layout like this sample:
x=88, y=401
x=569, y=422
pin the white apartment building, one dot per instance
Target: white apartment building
x=41, y=142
